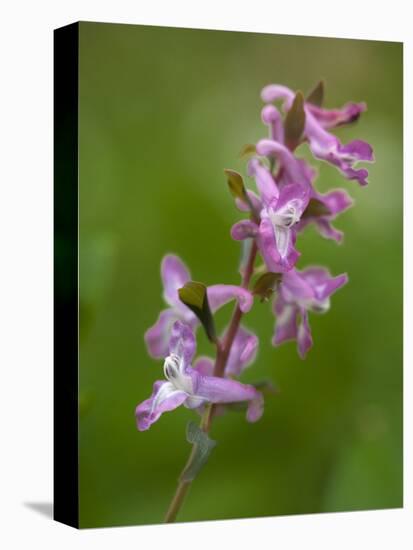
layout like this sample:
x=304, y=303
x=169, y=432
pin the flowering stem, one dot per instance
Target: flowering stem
x=223, y=350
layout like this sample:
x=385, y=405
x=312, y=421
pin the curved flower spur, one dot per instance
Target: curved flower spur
x=285, y=203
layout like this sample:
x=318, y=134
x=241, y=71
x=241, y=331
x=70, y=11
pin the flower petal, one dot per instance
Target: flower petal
x=157, y=337
x=244, y=229
x=293, y=168
x=272, y=118
x=265, y=182
x=243, y=352
x=223, y=390
x=255, y=408
x=304, y=337
x=323, y=284
x=295, y=195
x=294, y=287
x=325, y=146
x=267, y=245
x=335, y=202
x=219, y=295
x=272, y=92
x=164, y=398
x=204, y=365
x=286, y=322
x=182, y=343
x=327, y=230
x=331, y=118
x=277, y=246
x=174, y=275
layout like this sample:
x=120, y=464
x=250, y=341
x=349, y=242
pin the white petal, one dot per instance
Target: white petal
x=282, y=238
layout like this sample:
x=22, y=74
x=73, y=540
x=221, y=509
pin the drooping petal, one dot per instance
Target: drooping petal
x=323, y=284
x=243, y=352
x=219, y=295
x=327, y=230
x=357, y=150
x=304, y=337
x=182, y=343
x=157, y=337
x=331, y=118
x=255, y=408
x=272, y=118
x=164, y=398
x=174, y=275
x=223, y=390
x=265, y=182
x=336, y=200
x=325, y=146
x=245, y=229
x=286, y=322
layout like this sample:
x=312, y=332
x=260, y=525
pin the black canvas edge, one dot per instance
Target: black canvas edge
x=66, y=281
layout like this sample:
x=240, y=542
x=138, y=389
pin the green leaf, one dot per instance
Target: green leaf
x=266, y=284
x=237, y=189
x=316, y=96
x=294, y=122
x=315, y=209
x=194, y=295
x=236, y=185
x=202, y=447
x=247, y=150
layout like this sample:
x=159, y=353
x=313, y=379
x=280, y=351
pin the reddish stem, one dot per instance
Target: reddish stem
x=223, y=350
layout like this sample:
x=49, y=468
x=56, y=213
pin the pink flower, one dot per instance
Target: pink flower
x=175, y=274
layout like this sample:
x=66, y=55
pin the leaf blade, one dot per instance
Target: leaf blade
x=316, y=95
x=266, y=284
x=247, y=150
x=295, y=122
x=316, y=209
x=202, y=448
x=194, y=295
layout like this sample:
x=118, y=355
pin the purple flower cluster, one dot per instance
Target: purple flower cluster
x=172, y=338
x=287, y=202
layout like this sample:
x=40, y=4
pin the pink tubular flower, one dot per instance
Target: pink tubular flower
x=299, y=293
x=323, y=144
x=242, y=355
x=174, y=275
x=192, y=388
x=280, y=211
x=323, y=208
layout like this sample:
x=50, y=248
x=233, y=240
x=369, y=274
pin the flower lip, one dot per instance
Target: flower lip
x=174, y=372
x=171, y=366
x=285, y=217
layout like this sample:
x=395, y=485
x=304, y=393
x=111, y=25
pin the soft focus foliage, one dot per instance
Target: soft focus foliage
x=162, y=113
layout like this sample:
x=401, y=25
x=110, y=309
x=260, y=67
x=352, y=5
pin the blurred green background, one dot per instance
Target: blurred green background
x=162, y=112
